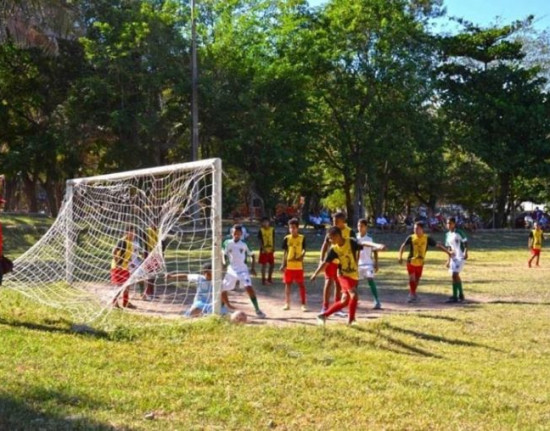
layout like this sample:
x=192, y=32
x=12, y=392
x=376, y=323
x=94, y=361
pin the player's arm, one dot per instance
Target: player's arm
x=302, y=255
x=444, y=249
x=530, y=240
x=285, y=254
x=261, y=240
x=375, y=259
x=465, y=250
x=253, y=263
x=376, y=246
x=402, y=248
x=330, y=257
x=177, y=276
x=324, y=249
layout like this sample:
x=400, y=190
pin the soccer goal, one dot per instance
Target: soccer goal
x=119, y=238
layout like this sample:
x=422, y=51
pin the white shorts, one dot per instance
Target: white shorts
x=457, y=265
x=231, y=278
x=366, y=271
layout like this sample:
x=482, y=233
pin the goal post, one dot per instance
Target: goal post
x=151, y=223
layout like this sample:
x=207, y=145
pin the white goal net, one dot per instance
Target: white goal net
x=127, y=240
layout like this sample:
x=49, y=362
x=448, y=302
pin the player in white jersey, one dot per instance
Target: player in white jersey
x=368, y=261
x=236, y=252
x=457, y=243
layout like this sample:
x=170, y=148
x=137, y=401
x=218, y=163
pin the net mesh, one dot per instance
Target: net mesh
x=118, y=239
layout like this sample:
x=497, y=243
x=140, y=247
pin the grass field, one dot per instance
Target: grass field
x=480, y=366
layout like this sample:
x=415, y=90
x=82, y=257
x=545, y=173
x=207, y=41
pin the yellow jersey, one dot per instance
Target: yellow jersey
x=346, y=254
x=418, y=246
x=122, y=254
x=294, y=247
x=266, y=235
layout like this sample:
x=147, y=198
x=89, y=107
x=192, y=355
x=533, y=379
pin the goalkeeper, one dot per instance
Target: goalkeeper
x=202, y=303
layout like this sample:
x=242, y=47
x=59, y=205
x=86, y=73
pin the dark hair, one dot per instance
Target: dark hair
x=265, y=219
x=451, y=220
x=419, y=224
x=334, y=231
x=339, y=215
x=294, y=221
x=207, y=267
x=238, y=227
x=363, y=221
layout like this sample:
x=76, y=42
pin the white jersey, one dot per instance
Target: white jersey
x=236, y=253
x=365, y=255
x=455, y=242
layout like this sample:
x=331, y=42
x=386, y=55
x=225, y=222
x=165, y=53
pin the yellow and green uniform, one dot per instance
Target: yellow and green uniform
x=122, y=254
x=346, y=254
x=537, y=237
x=266, y=236
x=418, y=246
x=294, y=245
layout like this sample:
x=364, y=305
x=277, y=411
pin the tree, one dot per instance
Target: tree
x=497, y=106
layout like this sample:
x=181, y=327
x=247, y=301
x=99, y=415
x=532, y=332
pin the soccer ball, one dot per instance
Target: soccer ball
x=238, y=317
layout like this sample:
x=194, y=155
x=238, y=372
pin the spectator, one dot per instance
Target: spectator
x=382, y=222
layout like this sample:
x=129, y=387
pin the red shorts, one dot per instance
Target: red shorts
x=267, y=258
x=535, y=251
x=331, y=271
x=415, y=270
x=347, y=283
x=119, y=276
x=293, y=275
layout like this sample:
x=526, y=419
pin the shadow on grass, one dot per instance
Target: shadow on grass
x=438, y=338
x=61, y=326
x=29, y=416
x=514, y=302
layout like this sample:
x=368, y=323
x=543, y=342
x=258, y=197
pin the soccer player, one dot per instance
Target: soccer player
x=294, y=246
x=266, y=237
x=120, y=266
x=236, y=251
x=202, y=303
x=346, y=251
x=367, y=265
x=536, y=237
x=418, y=244
x=457, y=243
x=331, y=269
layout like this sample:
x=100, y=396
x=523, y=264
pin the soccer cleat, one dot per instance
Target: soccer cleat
x=286, y=307
x=321, y=319
x=412, y=298
x=452, y=299
x=341, y=314
x=461, y=297
x=304, y=308
x=130, y=306
x=377, y=306
x=269, y=281
x=260, y=314
x=323, y=309
x=353, y=323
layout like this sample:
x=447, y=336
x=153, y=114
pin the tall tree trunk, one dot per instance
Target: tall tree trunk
x=358, y=200
x=502, y=198
x=350, y=210
x=30, y=192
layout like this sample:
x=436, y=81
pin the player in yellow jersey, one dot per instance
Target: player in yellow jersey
x=120, y=266
x=294, y=246
x=418, y=244
x=536, y=237
x=266, y=237
x=331, y=269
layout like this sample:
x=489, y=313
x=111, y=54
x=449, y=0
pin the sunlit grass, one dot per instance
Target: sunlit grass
x=482, y=366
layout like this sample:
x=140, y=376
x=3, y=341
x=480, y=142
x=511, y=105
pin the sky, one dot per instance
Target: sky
x=485, y=12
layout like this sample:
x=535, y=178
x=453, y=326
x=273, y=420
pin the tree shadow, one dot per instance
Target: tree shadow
x=516, y=302
x=61, y=326
x=19, y=415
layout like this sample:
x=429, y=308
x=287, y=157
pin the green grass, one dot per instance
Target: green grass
x=483, y=366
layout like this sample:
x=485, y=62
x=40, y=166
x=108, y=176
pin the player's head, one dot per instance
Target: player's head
x=237, y=232
x=419, y=228
x=536, y=225
x=335, y=235
x=265, y=221
x=207, y=270
x=362, y=226
x=130, y=232
x=451, y=223
x=293, y=226
x=339, y=219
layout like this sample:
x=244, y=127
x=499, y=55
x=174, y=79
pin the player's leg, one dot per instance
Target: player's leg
x=299, y=279
x=374, y=291
x=244, y=278
x=353, y=302
x=270, y=272
x=326, y=293
x=229, y=282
